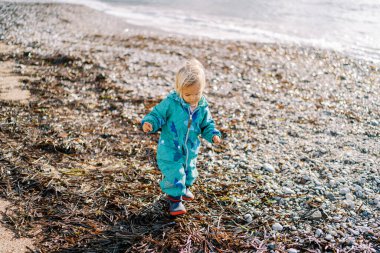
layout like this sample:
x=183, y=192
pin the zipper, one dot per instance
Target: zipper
x=187, y=134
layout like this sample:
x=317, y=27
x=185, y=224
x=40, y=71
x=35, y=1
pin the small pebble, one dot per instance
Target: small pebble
x=317, y=215
x=337, y=218
x=332, y=232
x=330, y=196
x=248, y=218
x=318, y=232
x=292, y=251
x=269, y=168
x=349, y=196
x=354, y=232
x=359, y=194
x=366, y=214
x=271, y=246
x=344, y=190
x=287, y=190
x=358, y=188
x=277, y=227
x=350, y=241
x=332, y=183
x=349, y=204
x=329, y=237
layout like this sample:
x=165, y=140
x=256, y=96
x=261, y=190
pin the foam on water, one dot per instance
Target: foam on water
x=348, y=26
x=238, y=29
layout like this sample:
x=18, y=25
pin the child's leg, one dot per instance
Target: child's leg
x=191, y=171
x=174, y=177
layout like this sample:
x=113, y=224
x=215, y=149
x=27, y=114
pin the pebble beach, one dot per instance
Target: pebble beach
x=298, y=169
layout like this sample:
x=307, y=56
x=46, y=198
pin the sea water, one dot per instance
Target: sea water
x=348, y=26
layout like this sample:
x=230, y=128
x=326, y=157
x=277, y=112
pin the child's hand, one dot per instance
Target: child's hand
x=216, y=139
x=147, y=127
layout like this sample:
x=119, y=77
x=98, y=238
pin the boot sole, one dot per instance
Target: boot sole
x=186, y=198
x=173, y=200
x=178, y=213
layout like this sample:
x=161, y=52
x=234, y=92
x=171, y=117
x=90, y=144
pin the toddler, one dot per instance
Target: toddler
x=182, y=116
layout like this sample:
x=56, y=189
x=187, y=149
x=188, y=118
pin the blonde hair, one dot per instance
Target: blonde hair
x=191, y=73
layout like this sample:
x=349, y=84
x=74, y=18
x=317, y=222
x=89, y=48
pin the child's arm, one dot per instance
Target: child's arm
x=208, y=128
x=157, y=117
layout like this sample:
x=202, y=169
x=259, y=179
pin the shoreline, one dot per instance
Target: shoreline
x=298, y=170
x=121, y=27
x=285, y=39
x=172, y=27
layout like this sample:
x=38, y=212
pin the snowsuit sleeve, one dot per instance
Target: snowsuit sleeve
x=208, y=127
x=157, y=117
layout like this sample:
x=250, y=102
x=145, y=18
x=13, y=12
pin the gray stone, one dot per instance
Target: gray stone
x=248, y=218
x=350, y=241
x=269, y=168
x=349, y=196
x=337, y=218
x=354, y=232
x=317, y=215
x=257, y=213
x=287, y=190
x=359, y=194
x=332, y=183
x=277, y=227
x=344, y=190
x=349, y=204
x=358, y=188
x=330, y=196
x=318, y=232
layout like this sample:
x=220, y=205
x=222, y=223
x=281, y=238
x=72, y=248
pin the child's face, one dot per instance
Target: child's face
x=192, y=94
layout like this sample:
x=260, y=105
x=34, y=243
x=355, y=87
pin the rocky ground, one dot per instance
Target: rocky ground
x=298, y=170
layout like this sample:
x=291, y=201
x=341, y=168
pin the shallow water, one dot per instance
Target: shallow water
x=348, y=26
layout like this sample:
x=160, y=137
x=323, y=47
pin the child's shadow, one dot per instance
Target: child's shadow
x=151, y=222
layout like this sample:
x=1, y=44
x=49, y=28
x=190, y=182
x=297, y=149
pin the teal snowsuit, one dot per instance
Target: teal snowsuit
x=179, y=140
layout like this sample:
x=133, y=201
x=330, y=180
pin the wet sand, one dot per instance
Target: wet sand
x=10, y=83
x=8, y=242
x=10, y=90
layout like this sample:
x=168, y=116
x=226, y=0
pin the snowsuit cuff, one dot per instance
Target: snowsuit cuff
x=210, y=136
